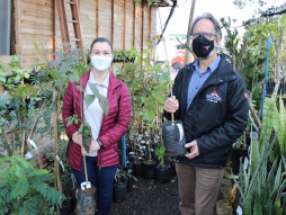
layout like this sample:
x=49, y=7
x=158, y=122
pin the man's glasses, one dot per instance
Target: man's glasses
x=206, y=35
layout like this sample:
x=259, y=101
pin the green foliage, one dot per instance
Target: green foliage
x=121, y=175
x=160, y=152
x=2, y=72
x=147, y=84
x=124, y=55
x=26, y=188
x=275, y=120
x=261, y=190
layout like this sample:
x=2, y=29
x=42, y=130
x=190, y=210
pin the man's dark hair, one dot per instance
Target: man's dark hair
x=210, y=17
x=101, y=40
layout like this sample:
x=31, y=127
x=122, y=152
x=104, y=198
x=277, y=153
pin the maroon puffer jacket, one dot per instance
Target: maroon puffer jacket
x=110, y=132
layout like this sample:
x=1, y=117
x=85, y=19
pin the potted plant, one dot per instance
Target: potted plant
x=120, y=187
x=25, y=188
x=163, y=169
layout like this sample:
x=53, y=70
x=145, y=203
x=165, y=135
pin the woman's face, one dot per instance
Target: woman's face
x=101, y=49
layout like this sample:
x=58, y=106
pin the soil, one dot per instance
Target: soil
x=150, y=198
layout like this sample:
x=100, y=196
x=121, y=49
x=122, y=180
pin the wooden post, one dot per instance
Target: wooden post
x=142, y=33
x=134, y=23
x=149, y=24
x=97, y=21
x=17, y=28
x=112, y=21
x=54, y=28
x=124, y=29
x=187, y=60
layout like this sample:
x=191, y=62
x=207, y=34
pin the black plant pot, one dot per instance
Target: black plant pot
x=247, y=139
x=173, y=165
x=282, y=88
x=130, y=182
x=163, y=175
x=138, y=170
x=154, y=156
x=86, y=141
x=66, y=208
x=174, y=138
x=146, y=155
x=149, y=170
x=235, y=159
x=270, y=87
x=120, y=191
x=73, y=203
x=129, y=166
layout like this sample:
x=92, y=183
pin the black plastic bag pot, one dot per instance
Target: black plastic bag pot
x=86, y=141
x=174, y=138
x=146, y=154
x=154, y=156
x=235, y=159
x=149, y=170
x=129, y=166
x=130, y=182
x=66, y=208
x=86, y=204
x=163, y=175
x=120, y=191
x=138, y=169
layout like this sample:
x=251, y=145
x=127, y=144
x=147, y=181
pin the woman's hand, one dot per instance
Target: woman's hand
x=77, y=138
x=94, y=146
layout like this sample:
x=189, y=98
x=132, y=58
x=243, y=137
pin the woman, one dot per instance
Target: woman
x=102, y=158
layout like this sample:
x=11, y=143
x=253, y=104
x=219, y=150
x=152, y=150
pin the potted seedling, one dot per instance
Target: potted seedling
x=163, y=169
x=120, y=187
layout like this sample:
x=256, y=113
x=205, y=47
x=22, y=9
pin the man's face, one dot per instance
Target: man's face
x=206, y=28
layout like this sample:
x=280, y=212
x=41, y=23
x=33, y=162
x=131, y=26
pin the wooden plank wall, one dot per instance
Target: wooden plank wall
x=37, y=19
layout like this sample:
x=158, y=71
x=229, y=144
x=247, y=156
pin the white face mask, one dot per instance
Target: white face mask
x=101, y=63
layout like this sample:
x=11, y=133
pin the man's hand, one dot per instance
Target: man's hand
x=171, y=105
x=194, y=149
x=77, y=138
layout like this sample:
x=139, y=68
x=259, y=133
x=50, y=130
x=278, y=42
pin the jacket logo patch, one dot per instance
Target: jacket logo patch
x=213, y=97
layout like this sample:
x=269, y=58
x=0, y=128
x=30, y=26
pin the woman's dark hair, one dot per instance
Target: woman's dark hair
x=101, y=40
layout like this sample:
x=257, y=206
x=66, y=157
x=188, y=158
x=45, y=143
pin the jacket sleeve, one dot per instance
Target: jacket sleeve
x=68, y=111
x=114, y=134
x=237, y=117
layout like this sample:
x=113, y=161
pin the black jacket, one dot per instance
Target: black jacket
x=216, y=117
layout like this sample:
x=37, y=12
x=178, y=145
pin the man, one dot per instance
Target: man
x=212, y=102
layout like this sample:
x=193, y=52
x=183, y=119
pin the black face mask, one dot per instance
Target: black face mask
x=202, y=46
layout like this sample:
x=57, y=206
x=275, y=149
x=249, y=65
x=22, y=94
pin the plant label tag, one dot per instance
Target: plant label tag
x=238, y=211
x=181, y=131
x=33, y=144
x=60, y=161
x=245, y=163
x=29, y=155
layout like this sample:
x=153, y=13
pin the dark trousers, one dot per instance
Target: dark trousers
x=198, y=189
x=102, y=180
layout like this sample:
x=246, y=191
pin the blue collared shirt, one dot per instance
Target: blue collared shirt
x=198, y=78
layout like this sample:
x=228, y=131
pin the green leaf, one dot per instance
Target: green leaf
x=79, y=88
x=80, y=129
x=104, y=104
x=149, y=115
x=155, y=76
x=165, y=77
x=162, y=87
x=89, y=99
x=53, y=64
x=64, y=67
x=94, y=90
